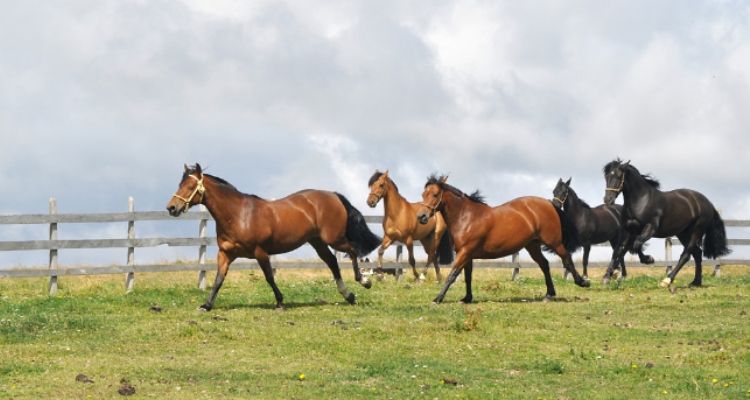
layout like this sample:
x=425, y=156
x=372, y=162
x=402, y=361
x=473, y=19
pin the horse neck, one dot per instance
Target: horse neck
x=454, y=207
x=220, y=200
x=393, y=202
x=573, y=204
x=635, y=187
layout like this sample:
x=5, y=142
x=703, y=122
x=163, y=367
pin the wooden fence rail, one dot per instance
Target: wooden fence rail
x=53, y=244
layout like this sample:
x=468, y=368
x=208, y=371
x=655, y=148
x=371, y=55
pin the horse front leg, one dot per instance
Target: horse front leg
x=412, y=261
x=265, y=266
x=618, y=255
x=462, y=259
x=386, y=242
x=222, y=263
x=586, y=251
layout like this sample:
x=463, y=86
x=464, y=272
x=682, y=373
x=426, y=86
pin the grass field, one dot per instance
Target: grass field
x=631, y=340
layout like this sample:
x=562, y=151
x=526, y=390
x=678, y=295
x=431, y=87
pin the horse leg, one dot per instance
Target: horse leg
x=586, y=250
x=412, y=261
x=535, y=251
x=646, y=233
x=429, y=247
x=688, y=245
x=462, y=259
x=349, y=249
x=386, y=242
x=618, y=255
x=698, y=257
x=222, y=262
x=265, y=266
x=467, y=277
x=327, y=256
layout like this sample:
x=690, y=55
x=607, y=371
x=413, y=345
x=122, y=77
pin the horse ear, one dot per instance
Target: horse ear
x=385, y=173
x=568, y=182
x=445, y=178
x=377, y=171
x=186, y=168
x=626, y=164
x=198, y=169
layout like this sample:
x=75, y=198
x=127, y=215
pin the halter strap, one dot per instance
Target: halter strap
x=619, y=189
x=199, y=188
x=432, y=209
x=562, y=202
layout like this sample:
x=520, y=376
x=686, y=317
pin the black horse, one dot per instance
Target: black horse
x=595, y=225
x=648, y=212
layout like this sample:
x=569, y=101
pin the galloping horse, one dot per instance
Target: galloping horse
x=648, y=212
x=250, y=227
x=480, y=231
x=595, y=225
x=400, y=224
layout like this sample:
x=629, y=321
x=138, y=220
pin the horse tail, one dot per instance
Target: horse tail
x=357, y=232
x=571, y=239
x=715, y=242
x=445, y=249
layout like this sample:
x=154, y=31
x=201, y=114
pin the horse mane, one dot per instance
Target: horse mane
x=436, y=179
x=217, y=180
x=647, y=177
x=374, y=178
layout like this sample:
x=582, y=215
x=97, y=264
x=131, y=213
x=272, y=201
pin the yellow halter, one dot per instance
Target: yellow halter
x=562, y=202
x=622, y=182
x=432, y=209
x=199, y=188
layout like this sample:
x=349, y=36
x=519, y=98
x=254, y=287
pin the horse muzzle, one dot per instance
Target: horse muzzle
x=174, y=210
x=422, y=217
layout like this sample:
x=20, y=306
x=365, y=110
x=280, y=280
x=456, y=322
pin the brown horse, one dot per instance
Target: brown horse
x=250, y=227
x=481, y=232
x=400, y=224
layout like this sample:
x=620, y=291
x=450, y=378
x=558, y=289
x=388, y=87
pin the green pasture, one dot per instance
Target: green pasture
x=631, y=340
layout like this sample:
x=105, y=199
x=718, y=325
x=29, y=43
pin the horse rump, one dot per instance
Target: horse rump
x=445, y=249
x=571, y=239
x=715, y=242
x=357, y=232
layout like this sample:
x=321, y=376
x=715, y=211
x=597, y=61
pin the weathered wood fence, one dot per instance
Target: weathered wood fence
x=53, y=244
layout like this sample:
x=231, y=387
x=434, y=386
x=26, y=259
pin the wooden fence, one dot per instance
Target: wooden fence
x=202, y=241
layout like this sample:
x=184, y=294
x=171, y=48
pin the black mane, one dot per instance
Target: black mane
x=374, y=178
x=583, y=203
x=436, y=179
x=215, y=179
x=647, y=177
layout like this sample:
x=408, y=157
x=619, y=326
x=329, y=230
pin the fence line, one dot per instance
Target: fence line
x=53, y=244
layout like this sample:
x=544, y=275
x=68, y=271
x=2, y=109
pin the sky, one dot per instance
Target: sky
x=103, y=100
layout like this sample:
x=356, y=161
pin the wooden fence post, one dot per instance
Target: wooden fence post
x=717, y=267
x=53, y=252
x=668, y=253
x=130, y=278
x=399, y=272
x=516, y=270
x=202, y=250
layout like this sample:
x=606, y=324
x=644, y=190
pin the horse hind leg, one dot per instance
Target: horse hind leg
x=698, y=257
x=688, y=246
x=568, y=264
x=325, y=254
x=431, y=250
x=535, y=251
x=347, y=248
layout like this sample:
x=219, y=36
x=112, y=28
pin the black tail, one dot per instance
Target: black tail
x=570, y=237
x=715, y=243
x=445, y=249
x=357, y=232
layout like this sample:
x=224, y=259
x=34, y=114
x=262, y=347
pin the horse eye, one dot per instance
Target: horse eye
x=190, y=188
x=434, y=195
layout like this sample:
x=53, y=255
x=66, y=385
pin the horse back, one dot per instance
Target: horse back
x=512, y=225
x=682, y=208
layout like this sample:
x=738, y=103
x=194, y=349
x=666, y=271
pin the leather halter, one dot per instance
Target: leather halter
x=199, y=188
x=431, y=208
x=562, y=202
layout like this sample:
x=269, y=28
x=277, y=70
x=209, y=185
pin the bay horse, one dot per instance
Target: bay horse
x=648, y=212
x=483, y=232
x=250, y=227
x=595, y=225
x=400, y=224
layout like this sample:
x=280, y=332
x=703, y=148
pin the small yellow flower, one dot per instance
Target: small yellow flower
x=714, y=380
x=301, y=376
x=635, y=366
x=726, y=385
x=665, y=392
x=192, y=300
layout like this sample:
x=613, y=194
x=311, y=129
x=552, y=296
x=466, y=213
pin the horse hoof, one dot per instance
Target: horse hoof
x=351, y=298
x=648, y=260
x=367, y=284
x=434, y=303
x=381, y=277
x=605, y=281
x=280, y=308
x=466, y=300
x=585, y=283
x=665, y=283
x=548, y=299
x=203, y=308
x=695, y=284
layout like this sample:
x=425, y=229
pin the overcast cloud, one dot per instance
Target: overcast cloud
x=101, y=100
